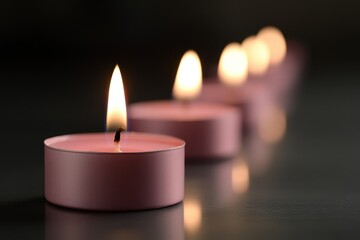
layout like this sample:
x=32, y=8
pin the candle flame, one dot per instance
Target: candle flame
x=233, y=64
x=116, y=110
x=258, y=55
x=276, y=43
x=188, y=78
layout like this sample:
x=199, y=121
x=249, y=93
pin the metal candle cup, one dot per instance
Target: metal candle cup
x=83, y=171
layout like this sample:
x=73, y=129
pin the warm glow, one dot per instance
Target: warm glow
x=276, y=43
x=258, y=55
x=240, y=177
x=272, y=127
x=192, y=215
x=188, y=78
x=233, y=64
x=116, y=111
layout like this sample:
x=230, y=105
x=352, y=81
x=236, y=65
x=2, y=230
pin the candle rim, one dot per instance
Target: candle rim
x=181, y=143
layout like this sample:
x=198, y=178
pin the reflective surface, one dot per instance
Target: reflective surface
x=305, y=186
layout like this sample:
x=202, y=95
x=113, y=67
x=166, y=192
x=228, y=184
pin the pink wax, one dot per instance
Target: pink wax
x=85, y=171
x=209, y=130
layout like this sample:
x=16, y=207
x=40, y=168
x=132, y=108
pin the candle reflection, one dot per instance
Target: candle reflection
x=272, y=124
x=166, y=223
x=240, y=176
x=218, y=184
x=192, y=215
x=259, y=154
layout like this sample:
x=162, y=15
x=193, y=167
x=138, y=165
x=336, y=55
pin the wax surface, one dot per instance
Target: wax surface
x=175, y=110
x=130, y=142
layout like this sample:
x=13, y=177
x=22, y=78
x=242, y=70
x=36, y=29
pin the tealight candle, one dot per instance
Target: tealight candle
x=114, y=171
x=232, y=86
x=286, y=63
x=210, y=130
x=261, y=70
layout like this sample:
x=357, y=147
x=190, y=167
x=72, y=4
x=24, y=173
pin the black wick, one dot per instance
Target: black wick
x=117, y=134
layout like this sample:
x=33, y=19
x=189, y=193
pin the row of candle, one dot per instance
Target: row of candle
x=135, y=170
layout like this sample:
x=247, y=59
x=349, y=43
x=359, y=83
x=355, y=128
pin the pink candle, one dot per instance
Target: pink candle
x=232, y=86
x=209, y=130
x=262, y=70
x=268, y=61
x=97, y=172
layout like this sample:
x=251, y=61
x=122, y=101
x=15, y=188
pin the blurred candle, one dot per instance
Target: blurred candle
x=209, y=130
x=286, y=65
x=240, y=176
x=233, y=64
x=275, y=42
x=258, y=55
x=232, y=85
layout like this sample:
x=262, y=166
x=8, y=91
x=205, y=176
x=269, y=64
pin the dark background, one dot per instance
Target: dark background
x=56, y=60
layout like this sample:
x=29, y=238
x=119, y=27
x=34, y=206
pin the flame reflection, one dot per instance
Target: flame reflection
x=240, y=176
x=192, y=215
x=272, y=126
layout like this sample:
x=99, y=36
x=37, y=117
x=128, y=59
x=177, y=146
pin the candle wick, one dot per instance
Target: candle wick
x=117, y=139
x=118, y=134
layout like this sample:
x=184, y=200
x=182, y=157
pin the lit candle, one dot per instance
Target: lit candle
x=210, y=130
x=143, y=171
x=218, y=184
x=258, y=55
x=232, y=86
x=275, y=42
x=233, y=64
x=286, y=63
